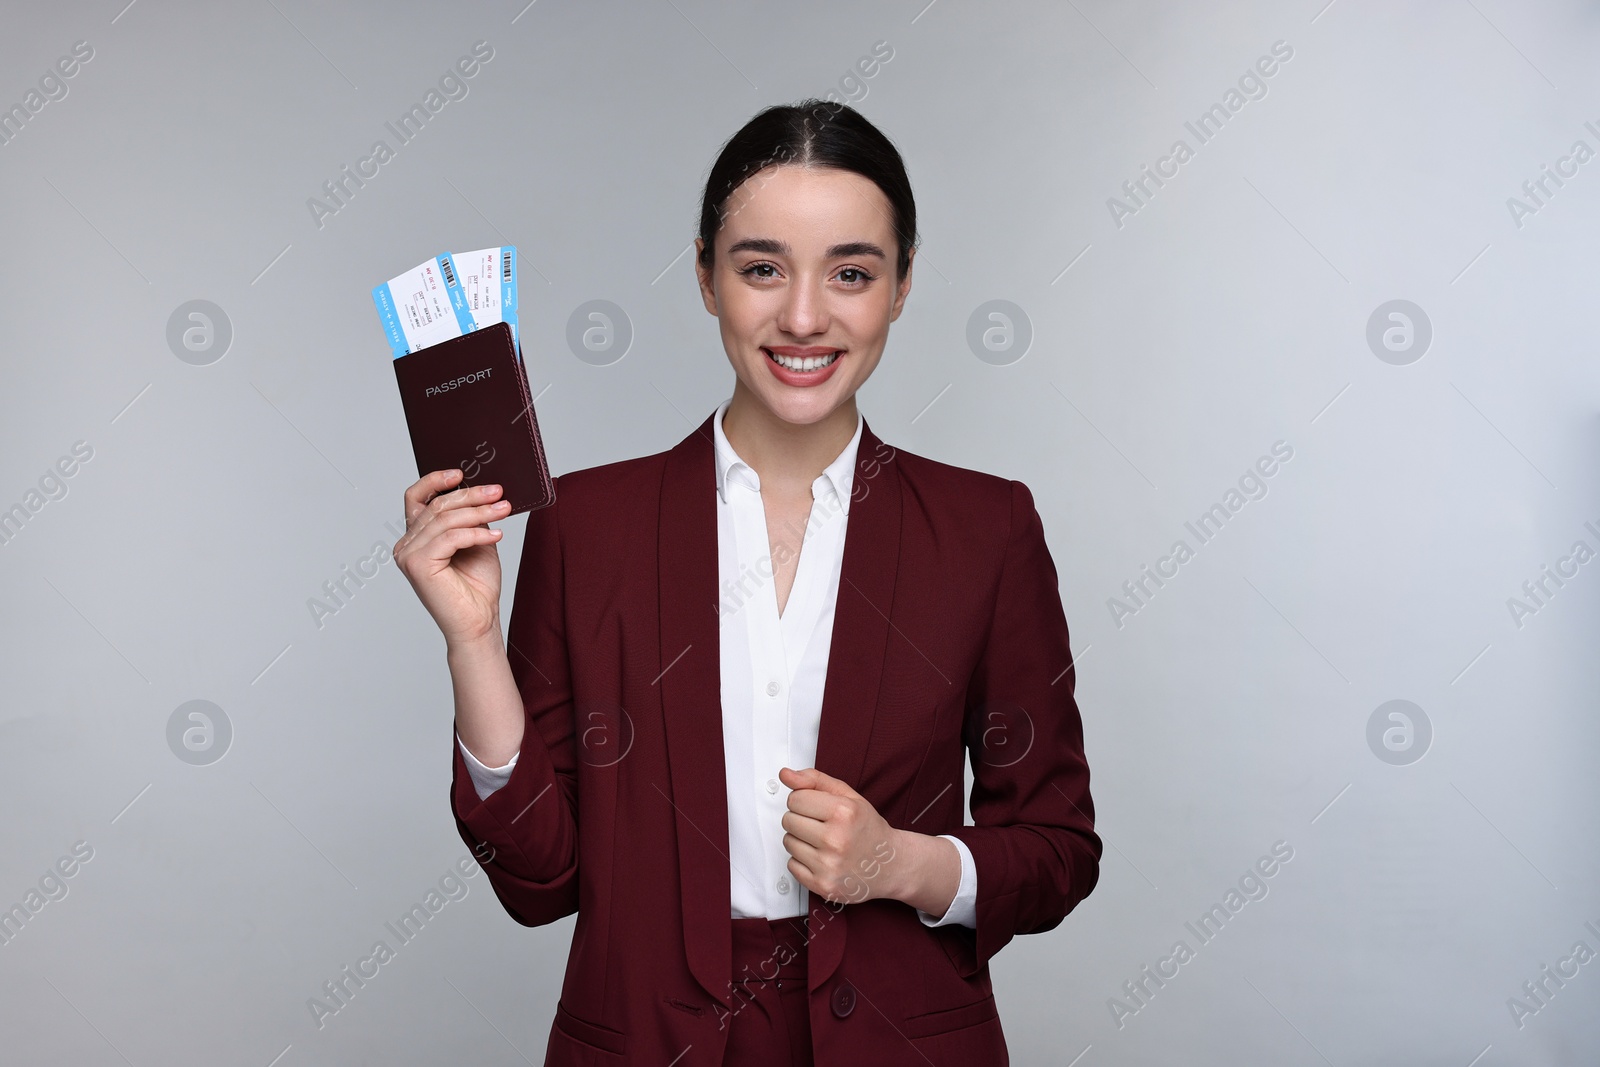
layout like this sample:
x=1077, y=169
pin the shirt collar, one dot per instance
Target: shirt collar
x=731, y=470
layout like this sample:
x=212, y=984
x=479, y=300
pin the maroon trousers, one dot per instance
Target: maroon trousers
x=770, y=1024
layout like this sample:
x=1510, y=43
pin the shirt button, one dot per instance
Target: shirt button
x=772, y=688
x=783, y=884
x=772, y=785
x=843, y=1000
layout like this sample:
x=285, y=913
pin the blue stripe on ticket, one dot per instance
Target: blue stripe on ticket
x=391, y=321
x=423, y=306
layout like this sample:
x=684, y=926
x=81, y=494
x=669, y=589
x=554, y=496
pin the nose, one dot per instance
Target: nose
x=805, y=310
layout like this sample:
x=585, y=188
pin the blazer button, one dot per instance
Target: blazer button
x=844, y=999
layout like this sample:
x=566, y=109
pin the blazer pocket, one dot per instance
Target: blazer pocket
x=941, y=1022
x=587, y=1033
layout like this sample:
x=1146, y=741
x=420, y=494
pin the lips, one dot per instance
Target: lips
x=802, y=359
x=802, y=366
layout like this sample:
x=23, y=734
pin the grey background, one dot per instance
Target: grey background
x=1228, y=313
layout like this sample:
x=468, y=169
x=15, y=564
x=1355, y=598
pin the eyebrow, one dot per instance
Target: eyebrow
x=772, y=247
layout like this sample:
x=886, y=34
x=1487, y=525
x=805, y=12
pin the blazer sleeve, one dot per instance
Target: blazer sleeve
x=1034, y=844
x=525, y=833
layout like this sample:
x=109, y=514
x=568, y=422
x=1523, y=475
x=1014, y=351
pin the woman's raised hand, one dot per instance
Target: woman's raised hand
x=449, y=554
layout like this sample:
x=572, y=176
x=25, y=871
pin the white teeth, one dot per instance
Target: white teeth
x=808, y=363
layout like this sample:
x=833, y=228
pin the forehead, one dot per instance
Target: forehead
x=810, y=207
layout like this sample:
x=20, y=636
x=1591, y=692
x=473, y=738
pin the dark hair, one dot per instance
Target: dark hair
x=817, y=133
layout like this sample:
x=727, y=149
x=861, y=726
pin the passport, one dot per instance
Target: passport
x=467, y=405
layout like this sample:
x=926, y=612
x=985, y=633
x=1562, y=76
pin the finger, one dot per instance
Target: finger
x=812, y=831
x=827, y=783
x=796, y=780
x=433, y=555
x=425, y=487
x=805, y=864
x=449, y=542
x=811, y=778
x=472, y=496
x=803, y=874
x=813, y=804
x=455, y=518
x=418, y=505
x=803, y=852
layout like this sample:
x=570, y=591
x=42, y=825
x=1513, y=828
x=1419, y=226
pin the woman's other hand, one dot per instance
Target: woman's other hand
x=841, y=849
x=449, y=555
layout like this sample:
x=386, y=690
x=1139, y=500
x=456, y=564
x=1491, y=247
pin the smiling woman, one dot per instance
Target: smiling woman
x=817, y=231
x=748, y=779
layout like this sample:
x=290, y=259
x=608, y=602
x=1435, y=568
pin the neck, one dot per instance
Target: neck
x=786, y=457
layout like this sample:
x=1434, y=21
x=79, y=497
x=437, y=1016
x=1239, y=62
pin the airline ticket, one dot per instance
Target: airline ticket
x=425, y=305
x=489, y=279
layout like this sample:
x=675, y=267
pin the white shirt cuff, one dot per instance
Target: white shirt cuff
x=964, y=908
x=486, y=779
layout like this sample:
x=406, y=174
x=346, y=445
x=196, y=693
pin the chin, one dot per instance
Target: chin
x=803, y=410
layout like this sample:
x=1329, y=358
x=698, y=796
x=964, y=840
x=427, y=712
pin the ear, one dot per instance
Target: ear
x=708, y=292
x=904, y=289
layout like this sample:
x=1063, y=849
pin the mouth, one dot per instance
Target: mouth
x=803, y=360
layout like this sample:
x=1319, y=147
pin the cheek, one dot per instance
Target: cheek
x=745, y=311
x=734, y=310
x=865, y=320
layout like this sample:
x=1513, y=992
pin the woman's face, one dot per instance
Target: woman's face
x=804, y=270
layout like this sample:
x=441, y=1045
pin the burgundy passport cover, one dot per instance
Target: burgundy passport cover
x=467, y=405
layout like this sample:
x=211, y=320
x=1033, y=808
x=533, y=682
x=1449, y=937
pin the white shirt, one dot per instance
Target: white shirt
x=773, y=669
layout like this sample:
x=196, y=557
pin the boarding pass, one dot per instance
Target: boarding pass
x=447, y=296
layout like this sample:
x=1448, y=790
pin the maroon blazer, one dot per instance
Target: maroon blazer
x=949, y=639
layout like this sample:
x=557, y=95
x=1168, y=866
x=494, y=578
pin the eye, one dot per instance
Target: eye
x=755, y=269
x=861, y=276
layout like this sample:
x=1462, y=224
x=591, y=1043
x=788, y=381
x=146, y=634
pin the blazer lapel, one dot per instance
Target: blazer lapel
x=691, y=684
x=855, y=656
x=691, y=701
